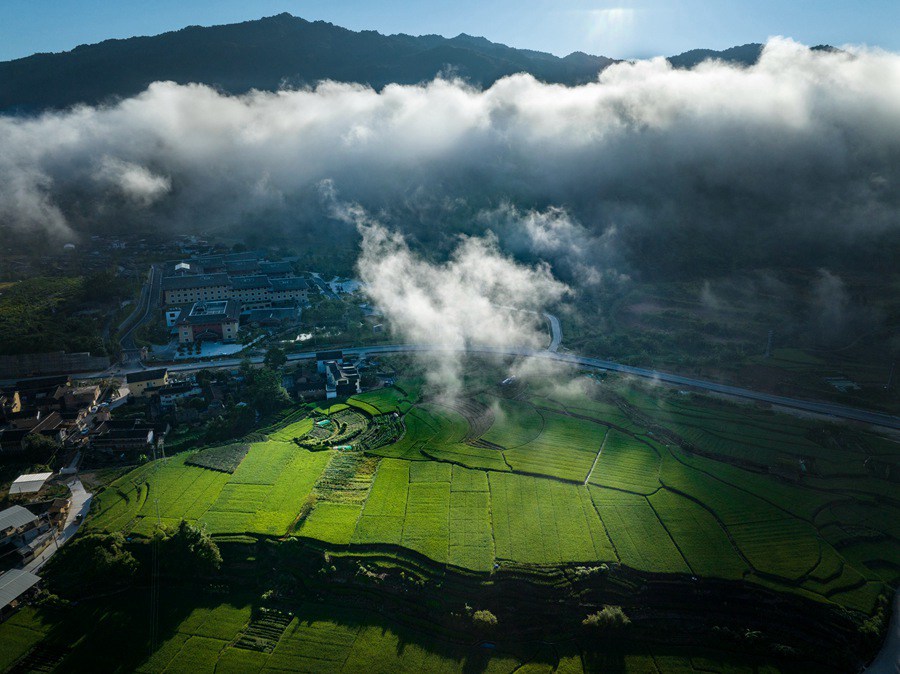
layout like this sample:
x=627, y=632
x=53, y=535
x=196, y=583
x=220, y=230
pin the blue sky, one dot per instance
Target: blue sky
x=618, y=28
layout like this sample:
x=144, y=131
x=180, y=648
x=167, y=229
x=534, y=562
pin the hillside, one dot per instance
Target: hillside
x=286, y=50
x=267, y=54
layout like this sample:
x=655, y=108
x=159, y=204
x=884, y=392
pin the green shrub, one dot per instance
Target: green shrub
x=607, y=618
x=484, y=620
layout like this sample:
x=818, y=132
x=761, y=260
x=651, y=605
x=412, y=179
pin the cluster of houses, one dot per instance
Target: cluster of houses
x=26, y=532
x=205, y=298
x=50, y=406
x=71, y=416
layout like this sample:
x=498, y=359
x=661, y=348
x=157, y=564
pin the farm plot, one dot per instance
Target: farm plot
x=175, y=491
x=539, y=521
x=426, y=528
x=771, y=539
x=421, y=426
x=264, y=463
x=785, y=547
x=414, y=504
x=312, y=646
x=385, y=400
x=466, y=455
x=295, y=430
x=332, y=522
x=285, y=498
x=339, y=495
x=266, y=492
x=699, y=537
x=627, y=464
x=515, y=423
x=471, y=541
x=385, y=508
x=565, y=449
x=114, y=508
x=19, y=634
x=640, y=539
x=225, y=459
x=729, y=504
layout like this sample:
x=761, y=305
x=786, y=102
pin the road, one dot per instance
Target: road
x=828, y=409
x=555, y=333
x=80, y=504
x=148, y=301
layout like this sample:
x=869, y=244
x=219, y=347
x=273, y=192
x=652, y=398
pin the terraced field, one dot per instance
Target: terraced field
x=534, y=482
x=655, y=481
x=239, y=637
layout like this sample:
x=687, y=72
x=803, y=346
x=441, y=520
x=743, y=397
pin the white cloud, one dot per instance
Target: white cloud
x=804, y=144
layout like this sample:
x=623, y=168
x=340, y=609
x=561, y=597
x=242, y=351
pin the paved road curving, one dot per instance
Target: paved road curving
x=829, y=409
x=80, y=504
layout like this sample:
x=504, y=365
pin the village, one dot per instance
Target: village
x=72, y=413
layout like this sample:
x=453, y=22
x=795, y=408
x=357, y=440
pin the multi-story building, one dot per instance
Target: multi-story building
x=218, y=320
x=340, y=380
x=139, y=382
x=196, y=288
x=255, y=291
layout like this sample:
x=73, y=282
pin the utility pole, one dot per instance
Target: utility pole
x=890, y=381
x=769, y=344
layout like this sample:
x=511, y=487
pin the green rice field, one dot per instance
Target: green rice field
x=647, y=480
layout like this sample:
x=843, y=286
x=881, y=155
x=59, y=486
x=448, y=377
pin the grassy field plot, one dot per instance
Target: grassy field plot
x=225, y=459
x=295, y=430
x=515, y=423
x=538, y=521
x=640, y=539
x=471, y=543
x=385, y=400
x=466, y=455
x=465, y=479
x=784, y=547
x=332, y=522
x=699, y=537
x=312, y=646
x=565, y=449
x=426, y=528
x=627, y=464
x=264, y=463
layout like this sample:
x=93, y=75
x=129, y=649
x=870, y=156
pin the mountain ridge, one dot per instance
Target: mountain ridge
x=284, y=50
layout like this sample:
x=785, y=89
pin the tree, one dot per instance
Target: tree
x=39, y=446
x=275, y=357
x=265, y=391
x=188, y=548
x=205, y=377
x=484, y=620
x=607, y=618
x=93, y=558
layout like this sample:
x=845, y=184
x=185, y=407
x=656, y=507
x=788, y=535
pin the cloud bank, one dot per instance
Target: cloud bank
x=795, y=158
x=478, y=297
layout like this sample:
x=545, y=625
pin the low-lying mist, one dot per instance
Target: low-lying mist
x=649, y=172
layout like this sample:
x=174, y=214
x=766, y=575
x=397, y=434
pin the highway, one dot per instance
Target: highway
x=829, y=409
x=834, y=410
x=149, y=294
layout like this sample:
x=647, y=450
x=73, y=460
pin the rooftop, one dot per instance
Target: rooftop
x=15, y=517
x=14, y=583
x=249, y=282
x=146, y=375
x=242, y=266
x=210, y=312
x=292, y=283
x=198, y=281
x=275, y=267
x=29, y=483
